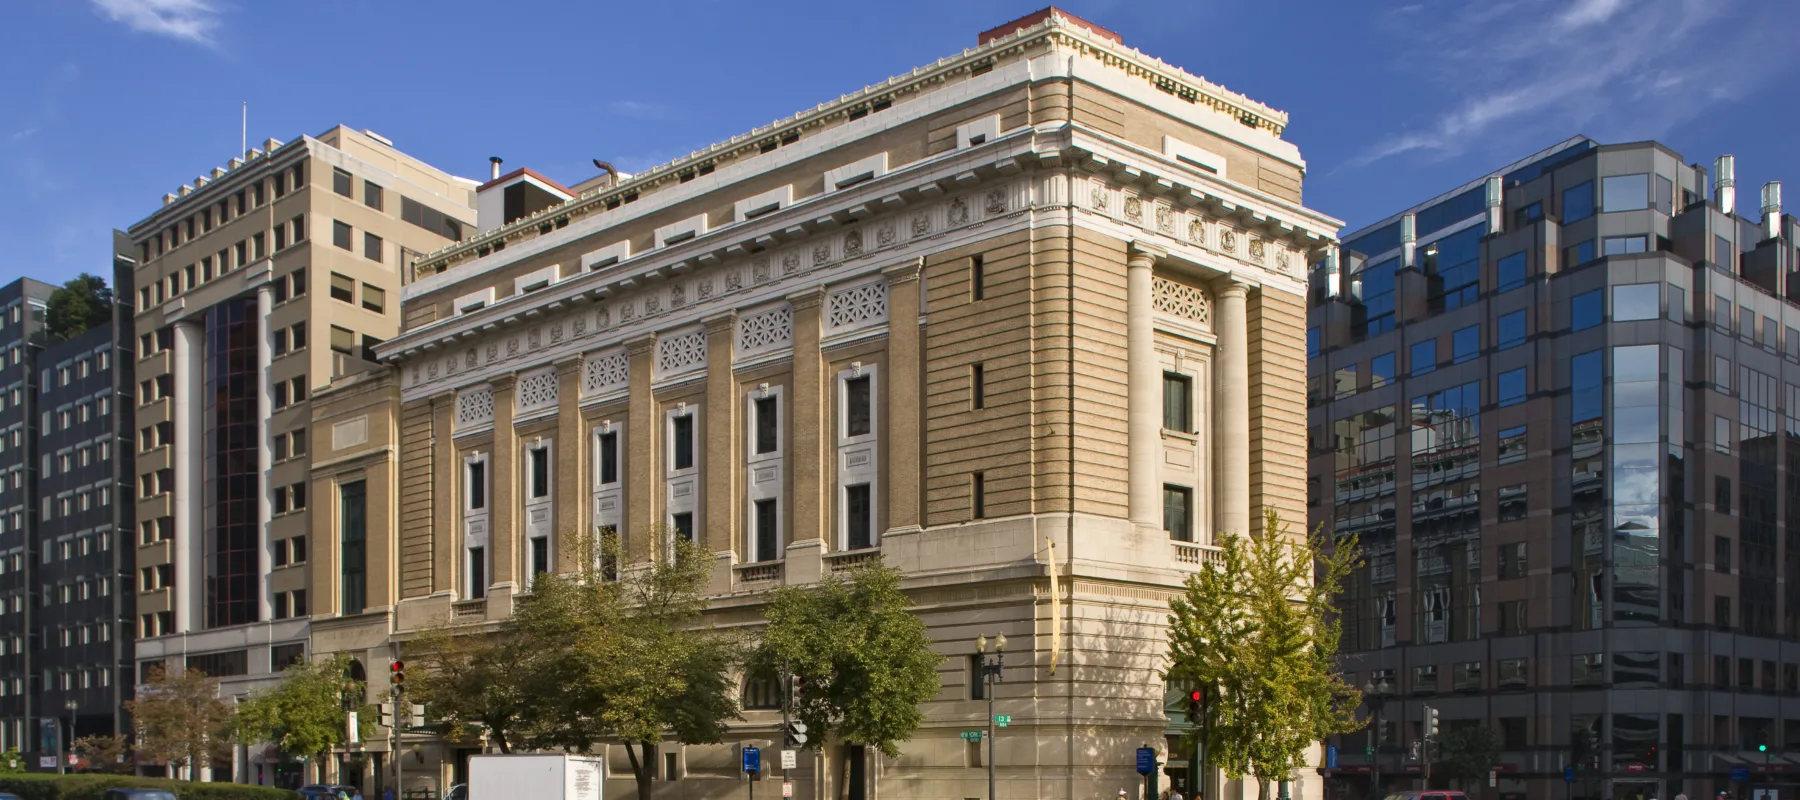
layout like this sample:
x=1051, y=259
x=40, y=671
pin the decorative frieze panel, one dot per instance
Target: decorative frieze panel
x=474, y=407
x=605, y=371
x=537, y=390
x=765, y=331
x=1182, y=301
x=855, y=307
x=681, y=353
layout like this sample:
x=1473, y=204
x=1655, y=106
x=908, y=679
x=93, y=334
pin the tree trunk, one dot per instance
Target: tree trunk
x=641, y=769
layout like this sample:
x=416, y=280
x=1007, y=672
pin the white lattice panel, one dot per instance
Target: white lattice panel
x=537, y=390
x=856, y=307
x=474, y=407
x=682, y=352
x=1183, y=301
x=769, y=330
x=605, y=372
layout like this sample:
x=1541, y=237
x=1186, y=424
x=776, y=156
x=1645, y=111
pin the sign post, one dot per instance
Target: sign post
x=752, y=765
x=1331, y=756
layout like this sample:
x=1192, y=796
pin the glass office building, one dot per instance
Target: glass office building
x=1559, y=406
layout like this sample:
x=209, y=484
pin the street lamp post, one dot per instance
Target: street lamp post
x=990, y=675
x=1376, y=694
x=62, y=766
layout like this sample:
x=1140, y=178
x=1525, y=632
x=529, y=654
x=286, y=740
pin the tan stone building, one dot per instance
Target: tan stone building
x=1037, y=307
x=258, y=283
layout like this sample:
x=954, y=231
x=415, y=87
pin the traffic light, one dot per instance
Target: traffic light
x=397, y=676
x=1431, y=722
x=794, y=734
x=1196, y=705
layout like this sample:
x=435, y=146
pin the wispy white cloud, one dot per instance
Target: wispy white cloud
x=637, y=110
x=22, y=134
x=1540, y=69
x=184, y=20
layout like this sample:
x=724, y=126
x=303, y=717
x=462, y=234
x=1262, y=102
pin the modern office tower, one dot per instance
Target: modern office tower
x=257, y=283
x=65, y=559
x=1034, y=309
x=1559, y=406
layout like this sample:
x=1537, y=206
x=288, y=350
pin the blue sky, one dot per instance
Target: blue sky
x=111, y=103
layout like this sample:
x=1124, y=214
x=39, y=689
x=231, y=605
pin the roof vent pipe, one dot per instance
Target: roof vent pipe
x=1771, y=208
x=1409, y=241
x=1725, y=183
x=1496, y=198
x=494, y=168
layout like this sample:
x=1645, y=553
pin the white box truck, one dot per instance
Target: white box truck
x=536, y=776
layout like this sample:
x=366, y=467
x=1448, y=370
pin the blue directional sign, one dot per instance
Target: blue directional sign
x=1331, y=756
x=1740, y=774
x=1568, y=773
x=752, y=759
x=1146, y=761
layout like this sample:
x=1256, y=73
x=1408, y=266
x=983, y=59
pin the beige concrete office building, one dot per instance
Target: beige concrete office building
x=257, y=283
x=1047, y=291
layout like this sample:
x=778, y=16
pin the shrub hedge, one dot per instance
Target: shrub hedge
x=93, y=787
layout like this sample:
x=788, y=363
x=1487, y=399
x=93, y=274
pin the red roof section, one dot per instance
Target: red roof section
x=1039, y=16
x=508, y=177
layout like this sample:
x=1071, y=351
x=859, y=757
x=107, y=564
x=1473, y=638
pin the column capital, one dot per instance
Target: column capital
x=807, y=298
x=1230, y=288
x=444, y=399
x=1143, y=254
x=906, y=272
x=503, y=383
x=640, y=345
x=722, y=322
x=568, y=365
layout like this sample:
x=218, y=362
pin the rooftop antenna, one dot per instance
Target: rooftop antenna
x=244, y=132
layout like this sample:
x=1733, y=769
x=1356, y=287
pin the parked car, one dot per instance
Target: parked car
x=127, y=794
x=324, y=791
x=1432, y=795
x=458, y=792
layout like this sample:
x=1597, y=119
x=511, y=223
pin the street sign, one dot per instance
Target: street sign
x=1331, y=756
x=1002, y=720
x=1146, y=761
x=790, y=759
x=1493, y=779
x=1740, y=774
x=1635, y=768
x=752, y=759
x=1568, y=773
x=787, y=790
x=47, y=762
x=971, y=736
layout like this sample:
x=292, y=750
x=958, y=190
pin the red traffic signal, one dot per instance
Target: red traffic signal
x=397, y=675
x=1196, y=695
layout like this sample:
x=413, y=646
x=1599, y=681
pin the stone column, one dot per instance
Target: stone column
x=1231, y=423
x=187, y=411
x=265, y=459
x=446, y=498
x=572, y=505
x=503, y=542
x=722, y=409
x=643, y=456
x=903, y=413
x=808, y=419
x=1144, y=387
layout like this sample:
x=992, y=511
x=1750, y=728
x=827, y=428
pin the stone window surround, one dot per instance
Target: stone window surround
x=754, y=463
x=868, y=472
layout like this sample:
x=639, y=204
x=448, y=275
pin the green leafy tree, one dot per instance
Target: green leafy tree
x=11, y=762
x=473, y=683
x=1465, y=754
x=103, y=753
x=84, y=302
x=627, y=659
x=304, y=714
x=862, y=657
x=181, y=719
x=1259, y=633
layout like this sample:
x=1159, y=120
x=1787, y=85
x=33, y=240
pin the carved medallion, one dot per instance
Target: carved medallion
x=1228, y=239
x=652, y=305
x=1165, y=219
x=821, y=253
x=556, y=333
x=1134, y=209
x=677, y=296
x=1256, y=248
x=921, y=225
x=703, y=288
x=1098, y=198
x=533, y=339
x=493, y=352
x=759, y=271
x=790, y=262
x=734, y=281
x=1197, y=231
x=996, y=202
x=959, y=211
x=884, y=235
x=853, y=244
x=512, y=347
x=469, y=358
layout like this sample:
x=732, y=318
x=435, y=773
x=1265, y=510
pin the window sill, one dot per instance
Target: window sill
x=1185, y=436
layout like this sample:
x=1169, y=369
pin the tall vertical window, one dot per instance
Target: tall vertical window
x=477, y=572
x=340, y=235
x=977, y=278
x=540, y=555
x=681, y=442
x=858, y=403
x=1178, y=520
x=609, y=457
x=475, y=485
x=1587, y=310
x=768, y=426
x=977, y=386
x=978, y=492
x=540, y=471
x=371, y=246
x=353, y=531
x=684, y=525
x=1578, y=202
x=1178, y=402
x=768, y=532
x=372, y=195
x=341, y=183
x=859, y=517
